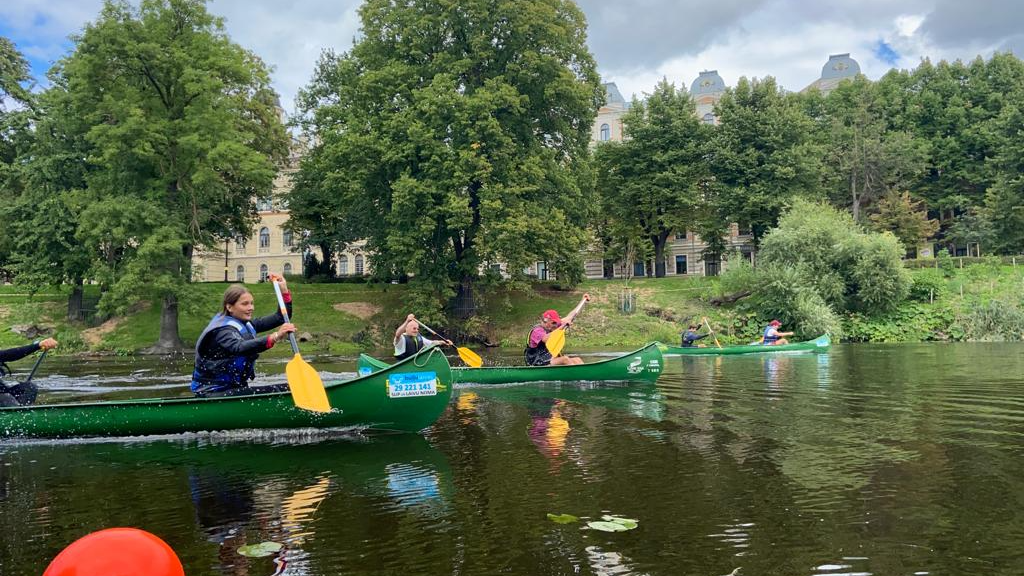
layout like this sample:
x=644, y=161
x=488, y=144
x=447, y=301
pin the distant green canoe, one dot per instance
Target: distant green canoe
x=644, y=364
x=819, y=343
x=407, y=397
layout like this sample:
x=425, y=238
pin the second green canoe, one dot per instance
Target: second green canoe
x=644, y=364
x=819, y=343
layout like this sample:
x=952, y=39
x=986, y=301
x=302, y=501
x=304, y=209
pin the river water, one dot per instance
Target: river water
x=882, y=460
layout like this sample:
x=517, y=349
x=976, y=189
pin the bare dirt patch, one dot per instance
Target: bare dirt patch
x=361, y=310
x=93, y=336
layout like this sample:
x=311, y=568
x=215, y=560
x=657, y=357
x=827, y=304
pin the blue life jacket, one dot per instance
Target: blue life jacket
x=220, y=374
x=412, y=346
x=770, y=339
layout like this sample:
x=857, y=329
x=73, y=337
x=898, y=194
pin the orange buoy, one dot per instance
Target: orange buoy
x=117, y=552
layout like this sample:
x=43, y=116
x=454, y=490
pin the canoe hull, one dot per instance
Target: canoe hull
x=820, y=343
x=645, y=364
x=365, y=402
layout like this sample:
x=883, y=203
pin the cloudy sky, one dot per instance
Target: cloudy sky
x=636, y=42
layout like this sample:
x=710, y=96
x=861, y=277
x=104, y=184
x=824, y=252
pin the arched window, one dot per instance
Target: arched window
x=287, y=268
x=240, y=274
x=240, y=245
x=264, y=272
x=359, y=265
x=606, y=132
x=709, y=118
x=264, y=237
x=343, y=265
x=288, y=238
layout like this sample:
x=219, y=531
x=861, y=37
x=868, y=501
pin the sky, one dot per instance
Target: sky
x=636, y=42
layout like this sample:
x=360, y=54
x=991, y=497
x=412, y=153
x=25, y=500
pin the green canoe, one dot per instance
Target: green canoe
x=819, y=343
x=407, y=397
x=644, y=364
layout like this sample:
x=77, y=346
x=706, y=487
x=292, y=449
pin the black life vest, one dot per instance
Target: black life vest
x=220, y=374
x=539, y=356
x=412, y=346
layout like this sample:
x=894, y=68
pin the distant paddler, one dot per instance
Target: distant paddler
x=547, y=338
x=228, y=347
x=691, y=336
x=409, y=342
x=772, y=336
x=23, y=393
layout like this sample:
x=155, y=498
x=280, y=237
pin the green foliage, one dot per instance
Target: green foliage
x=911, y=322
x=946, y=263
x=453, y=134
x=994, y=321
x=651, y=182
x=905, y=217
x=928, y=284
x=182, y=136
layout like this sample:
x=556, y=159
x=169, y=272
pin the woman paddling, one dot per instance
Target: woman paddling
x=227, y=350
x=23, y=394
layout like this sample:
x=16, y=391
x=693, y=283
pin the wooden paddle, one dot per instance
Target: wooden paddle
x=307, y=388
x=471, y=358
x=706, y=323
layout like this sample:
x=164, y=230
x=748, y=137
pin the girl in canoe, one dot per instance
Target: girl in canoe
x=15, y=394
x=227, y=350
x=536, y=352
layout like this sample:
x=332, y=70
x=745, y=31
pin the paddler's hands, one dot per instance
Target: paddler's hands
x=281, y=281
x=410, y=318
x=586, y=297
x=283, y=332
x=449, y=343
x=48, y=344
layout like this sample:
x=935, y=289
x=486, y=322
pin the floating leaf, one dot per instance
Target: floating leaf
x=607, y=526
x=563, y=518
x=629, y=523
x=260, y=550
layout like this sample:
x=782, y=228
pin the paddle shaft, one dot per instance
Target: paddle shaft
x=33, y=372
x=708, y=324
x=431, y=330
x=284, y=313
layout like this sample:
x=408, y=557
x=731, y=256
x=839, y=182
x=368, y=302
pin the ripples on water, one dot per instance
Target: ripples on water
x=868, y=460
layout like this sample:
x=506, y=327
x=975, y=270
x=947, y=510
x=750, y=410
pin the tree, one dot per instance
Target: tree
x=183, y=134
x=453, y=134
x=868, y=157
x=1004, y=200
x=905, y=217
x=653, y=178
x=763, y=153
x=15, y=132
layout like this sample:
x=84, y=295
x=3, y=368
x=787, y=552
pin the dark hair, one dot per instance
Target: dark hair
x=692, y=327
x=231, y=296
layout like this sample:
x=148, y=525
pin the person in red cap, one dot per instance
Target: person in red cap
x=772, y=335
x=537, y=353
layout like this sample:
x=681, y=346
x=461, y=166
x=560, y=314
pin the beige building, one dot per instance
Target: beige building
x=838, y=68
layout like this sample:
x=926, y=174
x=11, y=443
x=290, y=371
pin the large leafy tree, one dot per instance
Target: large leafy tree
x=182, y=132
x=16, y=102
x=905, y=217
x=453, y=134
x=651, y=182
x=764, y=154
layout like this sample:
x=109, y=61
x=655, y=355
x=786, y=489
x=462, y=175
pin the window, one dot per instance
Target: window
x=240, y=245
x=680, y=264
x=265, y=204
x=343, y=265
x=712, y=267
x=638, y=269
x=496, y=268
x=287, y=268
x=542, y=270
x=240, y=274
x=606, y=132
x=288, y=238
x=359, y=265
x=264, y=272
x=709, y=118
x=264, y=239
x=682, y=235
x=743, y=229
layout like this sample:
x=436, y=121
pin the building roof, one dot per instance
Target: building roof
x=614, y=96
x=839, y=66
x=709, y=82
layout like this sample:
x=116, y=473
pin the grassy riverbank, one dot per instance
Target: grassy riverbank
x=978, y=302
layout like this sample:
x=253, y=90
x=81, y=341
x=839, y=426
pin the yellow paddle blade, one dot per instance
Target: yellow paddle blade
x=556, y=341
x=471, y=358
x=307, y=388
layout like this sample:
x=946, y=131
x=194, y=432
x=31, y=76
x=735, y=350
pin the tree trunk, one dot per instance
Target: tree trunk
x=659, y=240
x=327, y=264
x=464, y=304
x=609, y=269
x=169, y=342
x=855, y=206
x=75, y=313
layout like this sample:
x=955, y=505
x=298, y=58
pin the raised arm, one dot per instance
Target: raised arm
x=572, y=315
x=401, y=329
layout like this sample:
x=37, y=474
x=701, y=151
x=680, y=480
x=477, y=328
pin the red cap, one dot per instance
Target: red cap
x=551, y=315
x=775, y=323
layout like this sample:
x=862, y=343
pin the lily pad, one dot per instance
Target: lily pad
x=629, y=523
x=260, y=550
x=563, y=518
x=607, y=526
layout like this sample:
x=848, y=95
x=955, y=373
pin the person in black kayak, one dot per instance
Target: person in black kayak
x=227, y=350
x=13, y=393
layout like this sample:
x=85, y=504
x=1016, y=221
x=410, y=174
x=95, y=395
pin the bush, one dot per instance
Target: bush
x=928, y=284
x=994, y=321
